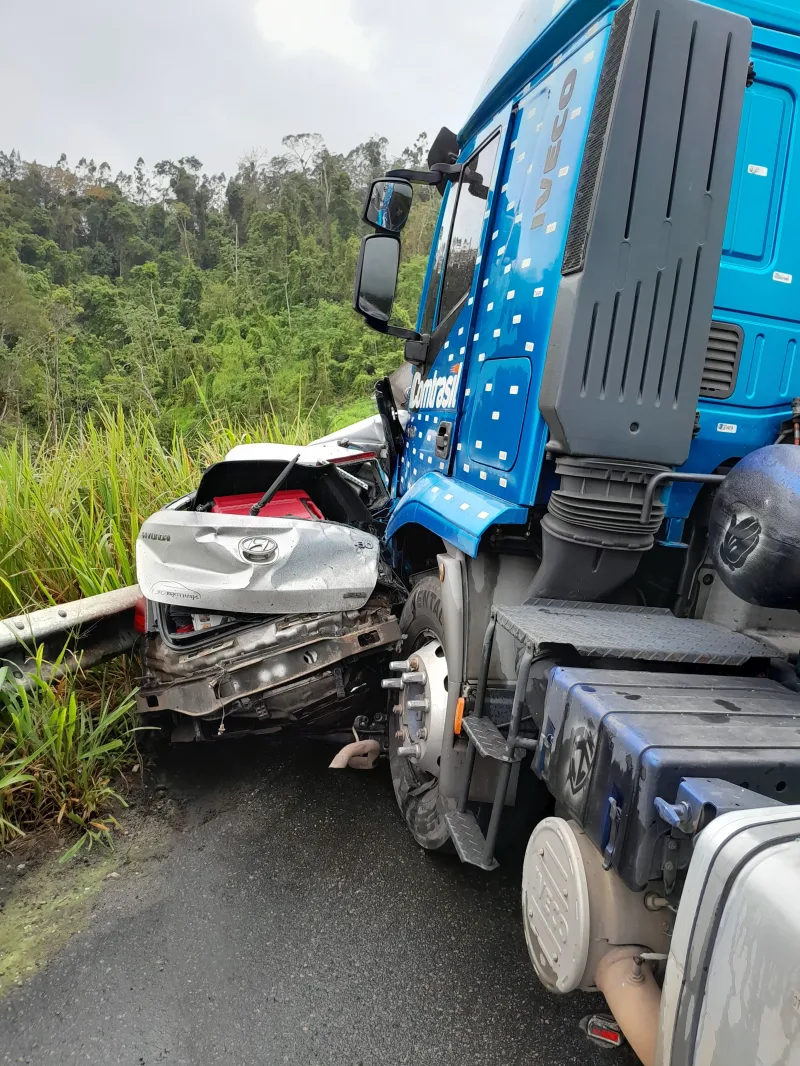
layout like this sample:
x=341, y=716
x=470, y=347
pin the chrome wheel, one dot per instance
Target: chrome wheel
x=419, y=714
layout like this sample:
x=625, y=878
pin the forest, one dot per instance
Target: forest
x=185, y=296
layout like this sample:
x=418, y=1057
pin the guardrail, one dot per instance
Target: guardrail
x=91, y=630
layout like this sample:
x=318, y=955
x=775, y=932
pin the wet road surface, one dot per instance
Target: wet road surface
x=285, y=915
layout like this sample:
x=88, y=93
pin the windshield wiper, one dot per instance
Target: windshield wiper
x=276, y=484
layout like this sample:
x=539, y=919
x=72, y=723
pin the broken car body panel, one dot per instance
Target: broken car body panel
x=313, y=455
x=254, y=671
x=257, y=621
x=209, y=551
x=239, y=564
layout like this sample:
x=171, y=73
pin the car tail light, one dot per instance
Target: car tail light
x=140, y=615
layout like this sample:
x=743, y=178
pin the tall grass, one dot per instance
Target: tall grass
x=62, y=746
x=70, y=513
x=71, y=509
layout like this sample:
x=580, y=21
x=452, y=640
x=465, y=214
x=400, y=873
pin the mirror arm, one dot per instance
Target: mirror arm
x=392, y=331
x=451, y=171
x=428, y=177
x=403, y=334
x=417, y=177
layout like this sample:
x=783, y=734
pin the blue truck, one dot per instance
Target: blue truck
x=568, y=546
x=595, y=475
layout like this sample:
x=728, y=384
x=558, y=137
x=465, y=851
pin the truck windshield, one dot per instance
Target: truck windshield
x=466, y=234
x=476, y=179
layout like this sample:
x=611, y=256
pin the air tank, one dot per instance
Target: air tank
x=754, y=531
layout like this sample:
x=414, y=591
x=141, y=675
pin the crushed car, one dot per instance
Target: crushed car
x=267, y=603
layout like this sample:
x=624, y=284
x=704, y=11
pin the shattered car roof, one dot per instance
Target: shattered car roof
x=361, y=440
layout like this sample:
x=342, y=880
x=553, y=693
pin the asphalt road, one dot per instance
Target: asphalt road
x=285, y=915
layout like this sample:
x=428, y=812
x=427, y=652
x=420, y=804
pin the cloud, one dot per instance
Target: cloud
x=236, y=84
x=326, y=26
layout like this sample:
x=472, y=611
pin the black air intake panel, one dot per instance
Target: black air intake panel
x=630, y=332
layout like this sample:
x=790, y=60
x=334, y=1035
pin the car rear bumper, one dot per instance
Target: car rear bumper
x=260, y=670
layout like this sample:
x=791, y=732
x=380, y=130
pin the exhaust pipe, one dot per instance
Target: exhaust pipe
x=633, y=997
x=360, y=755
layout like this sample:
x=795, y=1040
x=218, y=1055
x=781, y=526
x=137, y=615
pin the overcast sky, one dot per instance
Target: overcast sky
x=116, y=79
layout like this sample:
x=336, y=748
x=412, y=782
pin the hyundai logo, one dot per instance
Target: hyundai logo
x=258, y=549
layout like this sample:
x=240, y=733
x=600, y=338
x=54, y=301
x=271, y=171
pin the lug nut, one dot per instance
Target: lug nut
x=418, y=705
x=391, y=682
x=399, y=734
x=400, y=665
x=414, y=677
x=422, y=734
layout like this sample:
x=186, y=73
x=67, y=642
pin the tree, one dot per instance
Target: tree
x=142, y=184
x=123, y=225
x=161, y=286
x=303, y=149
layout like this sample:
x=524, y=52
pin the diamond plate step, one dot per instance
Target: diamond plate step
x=615, y=631
x=468, y=839
x=488, y=740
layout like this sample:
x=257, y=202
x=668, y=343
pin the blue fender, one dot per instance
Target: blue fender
x=453, y=511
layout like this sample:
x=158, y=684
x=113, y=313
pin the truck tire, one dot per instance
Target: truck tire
x=417, y=793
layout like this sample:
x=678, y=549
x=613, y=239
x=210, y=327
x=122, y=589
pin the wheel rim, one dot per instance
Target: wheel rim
x=421, y=709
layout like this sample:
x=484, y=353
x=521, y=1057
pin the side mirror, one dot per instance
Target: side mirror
x=376, y=283
x=388, y=204
x=376, y=278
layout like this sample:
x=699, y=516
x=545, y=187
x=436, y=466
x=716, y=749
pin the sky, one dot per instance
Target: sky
x=117, y=79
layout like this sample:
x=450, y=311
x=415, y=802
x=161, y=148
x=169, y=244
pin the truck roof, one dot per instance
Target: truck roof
x=543, y=28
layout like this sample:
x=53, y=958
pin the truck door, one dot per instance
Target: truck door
x=447, y=312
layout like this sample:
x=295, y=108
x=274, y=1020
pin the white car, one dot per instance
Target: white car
x=267, y=600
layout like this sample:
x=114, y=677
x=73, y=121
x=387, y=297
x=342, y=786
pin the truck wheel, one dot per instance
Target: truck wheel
x=416, y=788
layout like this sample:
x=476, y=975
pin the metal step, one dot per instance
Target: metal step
x=488, y=740
x=614, y=631
x=469, y=840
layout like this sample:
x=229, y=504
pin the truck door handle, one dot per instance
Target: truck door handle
x=444, y=435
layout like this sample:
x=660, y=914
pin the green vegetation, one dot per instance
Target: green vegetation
x=62, y=745
x=178, y=293
x=148, y=323
x=71, y=506
x=70, y=512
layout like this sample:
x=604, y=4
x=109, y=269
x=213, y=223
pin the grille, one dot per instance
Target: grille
x=722, y=360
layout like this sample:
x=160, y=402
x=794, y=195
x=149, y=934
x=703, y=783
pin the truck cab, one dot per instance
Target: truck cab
x=503, y=243
x=596, y=489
